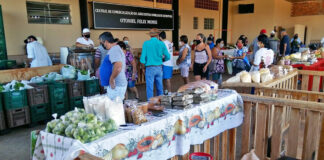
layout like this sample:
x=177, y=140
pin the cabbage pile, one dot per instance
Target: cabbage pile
x=81, y=126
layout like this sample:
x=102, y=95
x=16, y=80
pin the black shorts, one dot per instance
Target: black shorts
x=199, y=70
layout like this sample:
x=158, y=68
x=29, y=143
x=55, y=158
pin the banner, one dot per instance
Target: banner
x=116, y=16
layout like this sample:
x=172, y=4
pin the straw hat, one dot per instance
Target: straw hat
x=154, y=32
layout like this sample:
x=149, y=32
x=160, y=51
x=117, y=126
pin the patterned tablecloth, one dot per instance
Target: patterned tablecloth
x=160, y=138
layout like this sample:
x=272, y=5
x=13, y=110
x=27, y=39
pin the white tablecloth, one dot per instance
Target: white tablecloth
x=156, y=139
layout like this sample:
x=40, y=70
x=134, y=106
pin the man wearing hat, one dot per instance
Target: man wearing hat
x=85, y=40
x=154, y=52
x=255, y=45
x=36, y=53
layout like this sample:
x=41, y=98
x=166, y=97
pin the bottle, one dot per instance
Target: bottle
x=213, y=95
x=262, y=65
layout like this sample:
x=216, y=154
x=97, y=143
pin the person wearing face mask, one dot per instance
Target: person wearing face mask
x=85, y=41
x=264, y=53
x=184, y=59
x=202, y=58
x=240, y=60
x=126, y=41
x=100, y=55
x=112, y=69
x=210, y=42
x=216, y=67
x=36, y=53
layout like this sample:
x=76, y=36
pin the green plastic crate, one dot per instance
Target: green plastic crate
x=60, y=108
x=3, y=64
x=57, y=92
x=91, y=87
x=41, y=112
x=1, y=107
x=11, y=64
x=76, y=102
x=15, y=99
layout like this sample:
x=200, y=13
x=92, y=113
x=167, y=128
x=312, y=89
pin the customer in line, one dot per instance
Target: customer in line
x=216, y=67
x=85, y=40
x=100, y=55
x=254, y=45
x=240, y=60
x=295, y=44
x=36, y=53
x=284, y=44
x=184, y=59
x=112, y=70
x=131, y=71
x=202, y=58
x=126, y=41
x=264, y=53
x=274, y=45
x=153, y=54
x=167, y=65
x=210, y=42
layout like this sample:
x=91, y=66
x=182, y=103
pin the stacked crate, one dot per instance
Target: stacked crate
x=16, y=108
x=39, y=103
x=2, y=117
x=91, y=87
x=58, y=97
x=75, y=93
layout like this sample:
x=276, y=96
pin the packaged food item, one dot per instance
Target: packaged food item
x=288, y=67
x=246, y=78
x=255, y=76
x=143, y=106
x=234, y=79
x=156, y=108
x=182, y=103
x=264, y=70
x=138, y=116
x=182, y=97
x=266, y=77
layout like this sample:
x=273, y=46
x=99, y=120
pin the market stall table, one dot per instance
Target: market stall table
x=160, y=138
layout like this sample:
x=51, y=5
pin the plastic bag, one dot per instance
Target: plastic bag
x=246, y=78
x=83, y=75
x=235, y=79
x=36, y=79
x=229, y=66
x=68, y=72
x=256, y=77
x=266, y=77
x=49, y=76
x=58, y=77
x=115, y=111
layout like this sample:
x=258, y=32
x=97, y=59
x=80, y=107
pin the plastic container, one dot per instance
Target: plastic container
x=76, y=102
x=200, y=156
x=75, y=88
x=91, y=87
x=38, y=95
x=18, y=117
x=15, y=99
x=41, y=112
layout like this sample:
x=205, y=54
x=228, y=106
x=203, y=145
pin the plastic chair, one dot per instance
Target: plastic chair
x=200, y=156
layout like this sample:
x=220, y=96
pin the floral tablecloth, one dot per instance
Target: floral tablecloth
x=160, y=138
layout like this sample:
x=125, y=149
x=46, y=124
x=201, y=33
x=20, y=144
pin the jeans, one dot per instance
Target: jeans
x=153, y=75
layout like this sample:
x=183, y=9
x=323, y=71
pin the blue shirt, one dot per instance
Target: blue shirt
x=105, y=71
x=239, y=53
x=211, y=46
x=153, y=51
x=285, y=40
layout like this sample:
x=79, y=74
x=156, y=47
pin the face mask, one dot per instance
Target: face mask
x=87, y=36
x=197, y=42
x=180, y=43
x=103, y=46
x=126, y=42
x=221, y=45
x=239, y=45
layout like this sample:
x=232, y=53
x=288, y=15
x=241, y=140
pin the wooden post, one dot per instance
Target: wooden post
x=224, y=145
x=246, y=128
x=232, y=144
x=260, y=131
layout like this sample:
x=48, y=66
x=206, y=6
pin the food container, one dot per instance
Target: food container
x=143, y=106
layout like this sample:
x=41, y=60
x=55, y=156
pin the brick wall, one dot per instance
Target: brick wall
x=307, y=8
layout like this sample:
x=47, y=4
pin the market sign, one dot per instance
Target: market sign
x=115, y=16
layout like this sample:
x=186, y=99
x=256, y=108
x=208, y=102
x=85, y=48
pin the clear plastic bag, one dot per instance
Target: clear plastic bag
x=82, y=76
x=68, y=72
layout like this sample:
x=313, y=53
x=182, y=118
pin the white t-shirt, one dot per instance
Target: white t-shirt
x=267, y=54
x=39, y=54
x=169, y=46
x=83, y=41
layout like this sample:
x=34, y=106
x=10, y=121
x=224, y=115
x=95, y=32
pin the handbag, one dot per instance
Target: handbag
x=239, y=64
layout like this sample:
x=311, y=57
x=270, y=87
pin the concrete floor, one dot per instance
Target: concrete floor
x=15, y=145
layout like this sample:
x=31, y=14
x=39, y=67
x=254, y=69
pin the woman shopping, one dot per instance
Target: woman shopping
x=202, y=58
x=240, y=60
x=184, y=59
x=264, y=53
x=216, y=67
x=131, y=71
